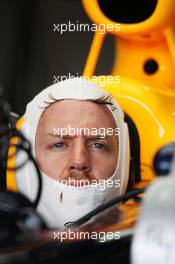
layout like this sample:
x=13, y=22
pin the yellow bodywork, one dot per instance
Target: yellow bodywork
x=149, y=99
x=11, y=162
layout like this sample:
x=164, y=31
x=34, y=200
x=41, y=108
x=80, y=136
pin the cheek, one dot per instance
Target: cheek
x=51, y=164
x=104, y=168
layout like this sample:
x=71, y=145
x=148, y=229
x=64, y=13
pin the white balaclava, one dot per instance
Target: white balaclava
x=77, y=201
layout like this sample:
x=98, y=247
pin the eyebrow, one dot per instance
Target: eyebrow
x=67, y=136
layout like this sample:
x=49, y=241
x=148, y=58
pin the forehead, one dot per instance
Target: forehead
x=78, y=113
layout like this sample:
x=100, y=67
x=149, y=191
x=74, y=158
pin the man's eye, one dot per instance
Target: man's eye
x=58, y=145
x=99, y=146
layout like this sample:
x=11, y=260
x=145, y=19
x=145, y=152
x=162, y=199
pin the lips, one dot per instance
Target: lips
x=78, y=182
x=78, y=178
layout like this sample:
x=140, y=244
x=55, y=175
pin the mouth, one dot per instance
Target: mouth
x=77, y=182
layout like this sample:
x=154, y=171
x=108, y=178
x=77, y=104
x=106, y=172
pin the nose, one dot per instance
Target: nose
x=79, y=159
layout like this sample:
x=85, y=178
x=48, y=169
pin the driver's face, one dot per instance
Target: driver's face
x=81, y=156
